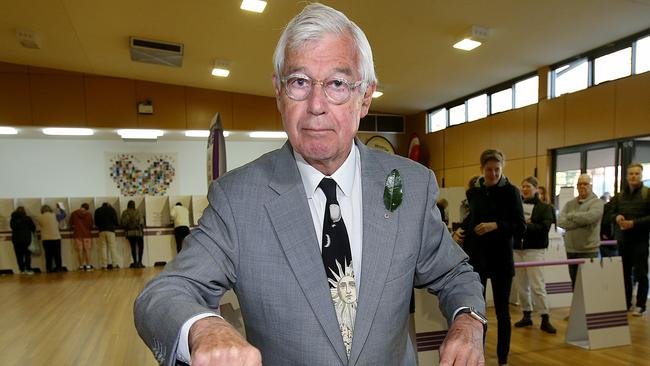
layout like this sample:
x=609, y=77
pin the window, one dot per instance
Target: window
x=643, y=55
x=571, y=77
x=501, y=101
x=526, y=92
x=613, y=66
x=436, y=120
x=601, y=166
x=566, y=177
x=457, y=115
x=477, y=107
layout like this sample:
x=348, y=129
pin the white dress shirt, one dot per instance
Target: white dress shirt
x=349, y=196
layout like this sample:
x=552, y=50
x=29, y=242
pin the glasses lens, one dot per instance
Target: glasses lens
x=337, y=90
x=298, y=87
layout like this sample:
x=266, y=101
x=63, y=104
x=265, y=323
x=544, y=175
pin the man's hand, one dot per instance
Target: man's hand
x=485, y=227
x=626, y=224
x=459, y=236
x=463, y=345
x=214, y=342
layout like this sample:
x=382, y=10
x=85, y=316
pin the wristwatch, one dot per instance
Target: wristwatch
x=474, y=314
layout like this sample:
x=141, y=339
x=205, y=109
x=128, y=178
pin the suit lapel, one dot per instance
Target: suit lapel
x=379, y=235
x=290, y=216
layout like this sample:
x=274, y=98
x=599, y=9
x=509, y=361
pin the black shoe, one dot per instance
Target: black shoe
x=110, y=266
x=526, y=321
x=133, y=265
x=546, y=325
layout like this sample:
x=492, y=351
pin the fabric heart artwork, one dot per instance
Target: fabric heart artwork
x=142, y=174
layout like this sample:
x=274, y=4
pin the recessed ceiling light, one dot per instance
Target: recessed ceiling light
x=197, y=133
x=58, y=131
x=467, y=44
x=256, y=6
x=221, y=68
x=8, y=131
x=223, y=73
x=377, y=94
x=268, y=135
x=140, y=134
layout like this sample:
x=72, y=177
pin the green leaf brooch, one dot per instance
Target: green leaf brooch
x=393, y=190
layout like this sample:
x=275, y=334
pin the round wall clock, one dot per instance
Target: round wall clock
x=380, y=143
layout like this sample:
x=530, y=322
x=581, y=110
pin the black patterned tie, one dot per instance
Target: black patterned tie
x=337, y=259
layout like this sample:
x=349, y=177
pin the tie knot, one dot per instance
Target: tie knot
x=328, y=185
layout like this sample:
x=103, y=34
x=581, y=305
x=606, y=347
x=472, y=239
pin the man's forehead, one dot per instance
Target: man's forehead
x=583, y=181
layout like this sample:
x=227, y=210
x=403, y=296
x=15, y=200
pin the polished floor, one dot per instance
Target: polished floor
x=85, y=318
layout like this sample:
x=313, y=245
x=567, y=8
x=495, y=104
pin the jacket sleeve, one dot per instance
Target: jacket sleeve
x=30, y=222
x=590, y=216
x=193, y=282
x=543, y=220
x=563, y=220
x=442, y=266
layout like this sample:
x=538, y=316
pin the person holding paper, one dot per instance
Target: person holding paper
x=539, y=218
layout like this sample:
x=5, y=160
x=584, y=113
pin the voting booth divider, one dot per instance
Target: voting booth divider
x=159, y=241
x=598, y=317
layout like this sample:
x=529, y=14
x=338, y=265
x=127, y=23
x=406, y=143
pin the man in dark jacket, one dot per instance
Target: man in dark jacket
x=106, y=221
x=22, y=228
x=631, y=212
x=539, y=217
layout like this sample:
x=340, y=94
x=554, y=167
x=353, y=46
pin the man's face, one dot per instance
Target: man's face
x=584, y=188
x=492, y=171
x=320, y=131
x=634, y=176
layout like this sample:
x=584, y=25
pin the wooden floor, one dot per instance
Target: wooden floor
x=87, y=319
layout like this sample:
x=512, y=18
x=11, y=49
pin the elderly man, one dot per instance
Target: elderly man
x=581, y=218
x=322, y=240
x=630, y=209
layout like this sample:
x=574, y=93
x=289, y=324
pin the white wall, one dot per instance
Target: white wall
x=77, y=168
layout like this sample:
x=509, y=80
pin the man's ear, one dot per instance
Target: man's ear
x=277, y=85
x=367, y=99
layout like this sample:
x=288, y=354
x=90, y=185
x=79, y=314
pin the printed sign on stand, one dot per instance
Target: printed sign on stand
x=598, y=316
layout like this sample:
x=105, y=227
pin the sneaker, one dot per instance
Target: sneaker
x=82, y=268
x=638, y=312
x=29, y=272
x=90, y=268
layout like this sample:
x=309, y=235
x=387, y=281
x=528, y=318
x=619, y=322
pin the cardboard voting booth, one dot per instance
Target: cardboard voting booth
x=430, y=328
x=598, y=317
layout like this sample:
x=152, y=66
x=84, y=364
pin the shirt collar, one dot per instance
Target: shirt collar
x=344, y=175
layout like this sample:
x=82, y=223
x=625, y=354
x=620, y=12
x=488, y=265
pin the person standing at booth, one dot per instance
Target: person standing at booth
x=133, y=223
x=630, y=210
x=106, y=221
x=181, y=217
x=581, y=217
x=51, y=238
x=22, y=228
x=495, y=222
x=539, y=218
x=81, y=222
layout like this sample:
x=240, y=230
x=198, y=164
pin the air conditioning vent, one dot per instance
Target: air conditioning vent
x=382, y=123
x=156, y=52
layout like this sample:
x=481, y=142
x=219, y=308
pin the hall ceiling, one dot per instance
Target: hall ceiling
x=416, y=65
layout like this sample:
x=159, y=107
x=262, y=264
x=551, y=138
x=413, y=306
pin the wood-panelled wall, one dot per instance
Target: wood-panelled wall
x=33, y=96
x=615, y=109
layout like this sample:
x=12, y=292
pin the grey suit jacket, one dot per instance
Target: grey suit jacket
x=257, y=237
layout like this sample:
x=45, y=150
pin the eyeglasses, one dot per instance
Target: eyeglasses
x=299, y=87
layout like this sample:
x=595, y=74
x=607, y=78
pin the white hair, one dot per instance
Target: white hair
x=315, y=21
x=585, y=176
